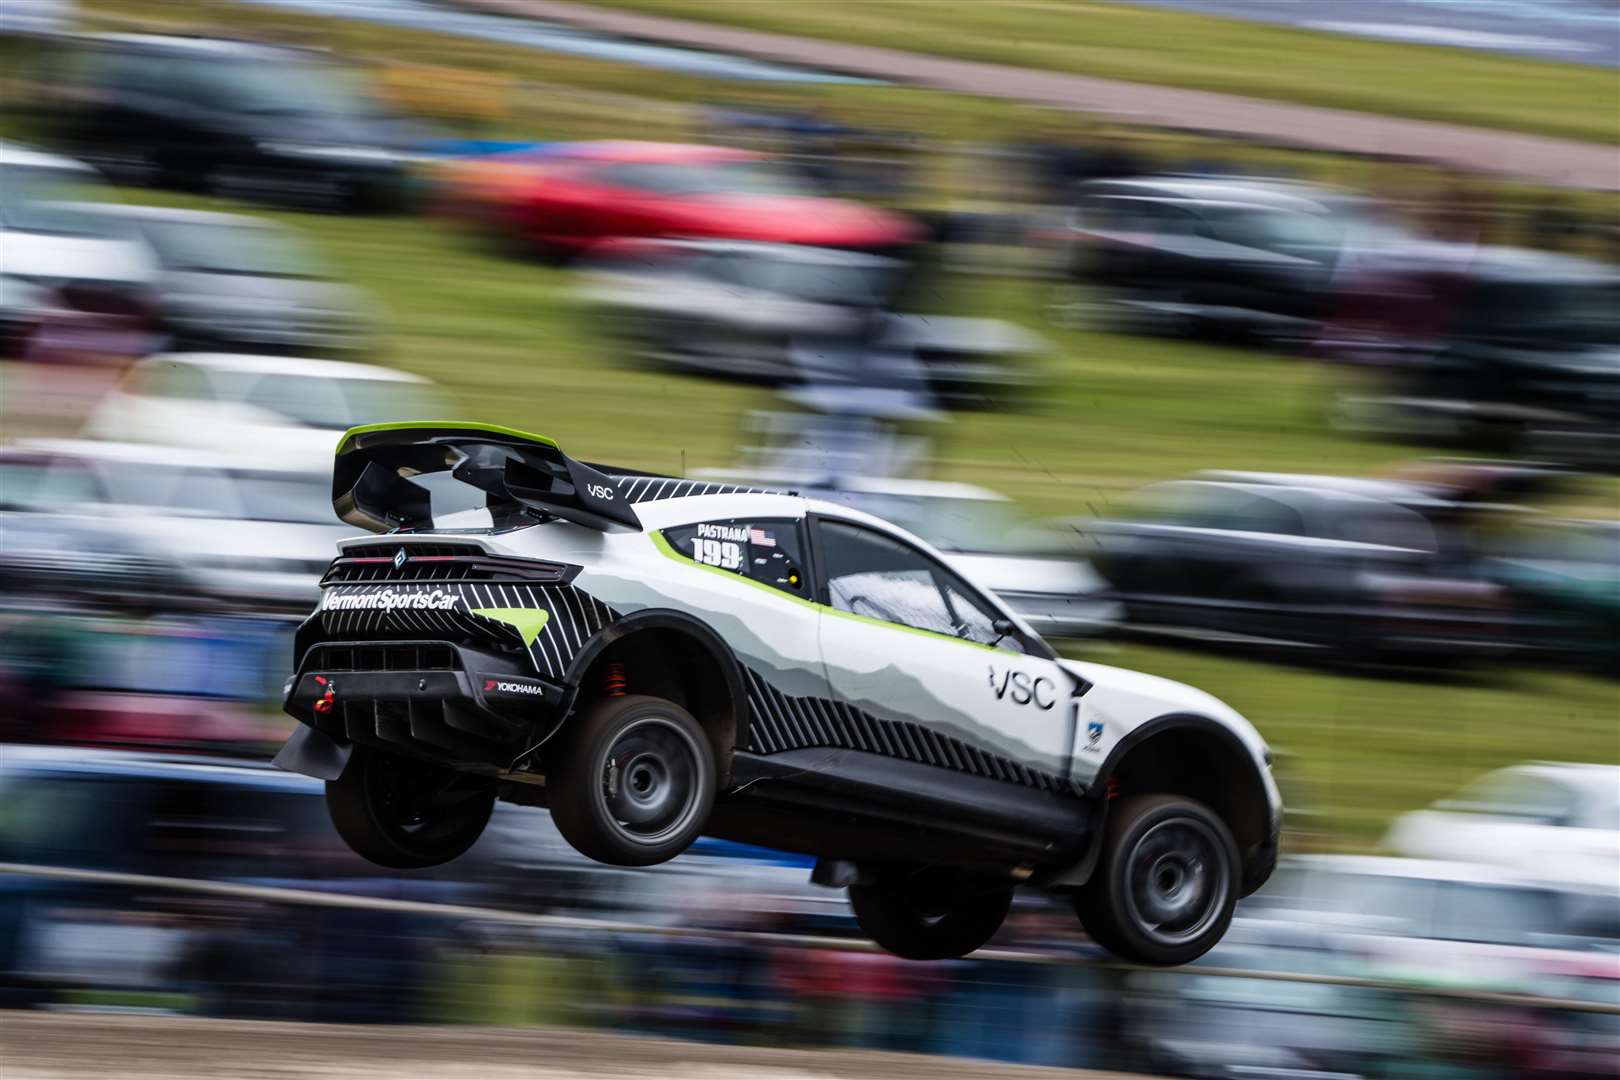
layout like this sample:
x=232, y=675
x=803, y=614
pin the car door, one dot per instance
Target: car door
x=909, y=643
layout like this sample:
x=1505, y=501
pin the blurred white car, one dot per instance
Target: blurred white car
x=241, y=536
x=62, y=261
x=1555, y=821
x=289, y=410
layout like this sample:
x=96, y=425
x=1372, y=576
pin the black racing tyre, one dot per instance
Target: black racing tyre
x=932, y=913
x=407, y=814
x=633, y=781
x=1166, y=882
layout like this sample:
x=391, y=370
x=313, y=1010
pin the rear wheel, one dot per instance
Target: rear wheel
x=634, y=781
x=407, y=814
x=932, y=913
x=1166, y=883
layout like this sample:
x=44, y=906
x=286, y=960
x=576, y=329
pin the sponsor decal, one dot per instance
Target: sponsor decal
x=1020, y=689
x=735, y=533
x=600, y=491
x=721, y=553
x=500, y=686
x=1094, y=734
x=399, y=558
x=761, y=538
x=528, y=622
x=390, y=600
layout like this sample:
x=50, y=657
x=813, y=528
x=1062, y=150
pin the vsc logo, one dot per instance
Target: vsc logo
x=1020, y=689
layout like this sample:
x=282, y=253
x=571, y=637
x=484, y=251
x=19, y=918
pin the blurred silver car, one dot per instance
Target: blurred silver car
x=779, y=313
x=241, y=536
x=1551, y=820
x=234, y=282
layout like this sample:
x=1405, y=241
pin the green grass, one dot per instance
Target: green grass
x=509, y=344
x=1203, y=52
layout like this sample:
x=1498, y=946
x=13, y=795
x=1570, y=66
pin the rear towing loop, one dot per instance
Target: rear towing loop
x=327, y=701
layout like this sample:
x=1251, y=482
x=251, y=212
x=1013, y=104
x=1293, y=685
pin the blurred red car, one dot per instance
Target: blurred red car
x=568, y=197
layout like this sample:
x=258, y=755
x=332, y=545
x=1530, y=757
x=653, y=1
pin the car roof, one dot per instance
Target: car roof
x=91, y=450
x=1517, y=264
x=1318, y=483
x=253, y=363
x=801, y=253
x=1395, y=866
x=222, y=48
x=1287, y=194
x=177, y=215
x=861, y=485
x=16, y=154
x=630, y=150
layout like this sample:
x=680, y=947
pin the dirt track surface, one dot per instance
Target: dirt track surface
x=58, y=1046
x=1561, y=162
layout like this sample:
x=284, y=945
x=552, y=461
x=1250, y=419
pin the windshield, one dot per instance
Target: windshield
x=41, y=200
x=743, y=177
x=822, y=282
x=230, y=249
x=295, y=87
x=320, y=402
x=302, y=499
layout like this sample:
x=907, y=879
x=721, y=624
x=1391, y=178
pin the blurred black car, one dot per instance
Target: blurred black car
x=1356, y=569
x=1189, y=255
x=782, y=313
x=234, y=117
x=1515, y=347
x=232, y=283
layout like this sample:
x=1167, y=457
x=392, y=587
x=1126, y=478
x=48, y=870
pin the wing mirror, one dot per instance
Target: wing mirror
x=1004, y=628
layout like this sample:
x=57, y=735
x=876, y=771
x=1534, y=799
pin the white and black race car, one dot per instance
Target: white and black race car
x=655, y=658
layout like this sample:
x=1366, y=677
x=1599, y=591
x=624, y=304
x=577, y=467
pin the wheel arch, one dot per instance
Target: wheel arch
x=1194, y=755
x=671, y=654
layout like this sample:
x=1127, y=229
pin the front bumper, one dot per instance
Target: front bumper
x=427, y=699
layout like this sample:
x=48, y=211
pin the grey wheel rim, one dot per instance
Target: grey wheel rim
x=1176, y=881
x=652, y=780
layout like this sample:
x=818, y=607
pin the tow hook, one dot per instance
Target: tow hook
x=324, y=704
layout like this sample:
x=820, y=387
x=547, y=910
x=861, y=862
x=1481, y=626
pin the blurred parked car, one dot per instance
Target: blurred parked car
x=70, y=281
x=1188, y=254
x=236, y=118
x=1554, y=821
x=1518, y=348
x=251, y=537
x=287, y=410
x=1571, y=571
x=780, y=313
x=232, y=282
x=1359, y=567
x=568, y=197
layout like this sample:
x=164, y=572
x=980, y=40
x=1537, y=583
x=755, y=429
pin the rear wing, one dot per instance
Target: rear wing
x=372, y=486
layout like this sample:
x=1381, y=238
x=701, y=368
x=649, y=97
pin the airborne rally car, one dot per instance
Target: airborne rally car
x=655, y=658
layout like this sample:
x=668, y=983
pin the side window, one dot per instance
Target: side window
x=769, y=552
x=869, y=574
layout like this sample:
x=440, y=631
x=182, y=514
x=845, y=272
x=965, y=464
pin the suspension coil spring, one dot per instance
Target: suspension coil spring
x=617, y=683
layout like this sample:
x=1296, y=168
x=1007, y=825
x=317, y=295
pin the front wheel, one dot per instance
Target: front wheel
x=407, y=814
x=633, y=782
x=932, y=913
x=1166, y=883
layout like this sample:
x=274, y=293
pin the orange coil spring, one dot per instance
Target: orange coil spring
x=616, y=681
x=1113, y=787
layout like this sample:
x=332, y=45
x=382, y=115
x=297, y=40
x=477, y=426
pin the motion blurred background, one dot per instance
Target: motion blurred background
x=1270, y=347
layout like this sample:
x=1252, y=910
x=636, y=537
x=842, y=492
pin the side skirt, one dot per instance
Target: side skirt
x=856, y=805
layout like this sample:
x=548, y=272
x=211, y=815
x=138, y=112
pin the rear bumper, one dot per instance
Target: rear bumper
x=425, y=698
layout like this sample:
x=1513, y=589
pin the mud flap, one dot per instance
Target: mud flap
x=313, y=753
